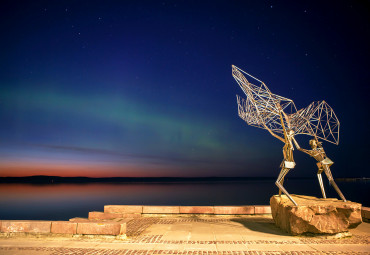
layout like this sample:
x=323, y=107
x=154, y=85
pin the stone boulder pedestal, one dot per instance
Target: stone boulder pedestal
x=314, y=215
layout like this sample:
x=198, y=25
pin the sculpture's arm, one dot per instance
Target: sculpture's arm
x=285, y=152
x=272, y=133
x=299, y=148
x=281, y=113
x=282, y=124
x=285, y=116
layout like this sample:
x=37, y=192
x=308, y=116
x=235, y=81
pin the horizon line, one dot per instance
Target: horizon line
x=174, y=177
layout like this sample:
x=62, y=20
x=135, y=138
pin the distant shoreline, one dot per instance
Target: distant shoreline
x=59, y=179
x=352, y=179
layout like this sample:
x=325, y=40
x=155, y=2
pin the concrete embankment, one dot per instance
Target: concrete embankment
x=113, y=221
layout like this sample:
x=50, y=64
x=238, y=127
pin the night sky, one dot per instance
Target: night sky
x=119, y=88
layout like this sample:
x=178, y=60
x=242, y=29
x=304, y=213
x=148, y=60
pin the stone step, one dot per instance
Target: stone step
x=78, y=219
x=25, y=226
x=108, y=216
x=74, y=226
x=132, y=211
x=161, y=209
x=262, y=209
x=104, y=216
x=64, y=227
x=123, y=209
x=234, y=210
x=101, y=228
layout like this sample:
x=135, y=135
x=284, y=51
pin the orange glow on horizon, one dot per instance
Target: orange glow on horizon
x=22, y=169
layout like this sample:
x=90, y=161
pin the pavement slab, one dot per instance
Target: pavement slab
x=192, y=236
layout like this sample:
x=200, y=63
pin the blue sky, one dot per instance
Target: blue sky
x=144, y=88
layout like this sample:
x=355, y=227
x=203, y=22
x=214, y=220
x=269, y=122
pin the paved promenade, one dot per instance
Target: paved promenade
x=192, y=236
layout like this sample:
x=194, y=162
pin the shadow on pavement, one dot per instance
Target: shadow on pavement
x=262, y=225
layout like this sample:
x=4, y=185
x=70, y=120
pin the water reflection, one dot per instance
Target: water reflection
x=64, y=201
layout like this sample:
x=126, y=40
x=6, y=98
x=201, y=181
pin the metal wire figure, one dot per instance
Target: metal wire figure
x=279, y=116
x=265, y=110
x=323, y=164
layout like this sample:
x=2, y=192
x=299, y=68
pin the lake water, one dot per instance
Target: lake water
x=65, y=201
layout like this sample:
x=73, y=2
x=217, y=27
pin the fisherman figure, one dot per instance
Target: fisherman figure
x=323, y=164
x=288, y=162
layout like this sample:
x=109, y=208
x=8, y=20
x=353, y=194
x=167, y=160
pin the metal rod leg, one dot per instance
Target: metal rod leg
x=338, y=190
x=332, y=182
x=321, y=185
x=278, y=183
x=281, y=182
x=280, y=178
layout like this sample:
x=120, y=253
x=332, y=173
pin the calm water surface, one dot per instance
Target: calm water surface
x=65, y=201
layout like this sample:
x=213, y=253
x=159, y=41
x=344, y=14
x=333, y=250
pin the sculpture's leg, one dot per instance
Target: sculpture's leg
x=321, y=183
x=280, y=178
x=332, y=182
x=281, y=182
x=338, y=191
x=278, y=183
x=282, y=170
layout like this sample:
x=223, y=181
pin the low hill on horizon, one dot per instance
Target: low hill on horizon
x=45, y=179
x=82, y=179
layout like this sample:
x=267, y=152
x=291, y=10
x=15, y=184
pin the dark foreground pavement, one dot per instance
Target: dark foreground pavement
x=192, y=236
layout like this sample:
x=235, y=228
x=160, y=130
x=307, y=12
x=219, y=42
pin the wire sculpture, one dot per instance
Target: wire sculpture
x=279, y=116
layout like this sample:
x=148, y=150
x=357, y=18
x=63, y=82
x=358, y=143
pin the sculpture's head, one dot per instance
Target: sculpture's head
x=290, y=133
x=314, y=144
